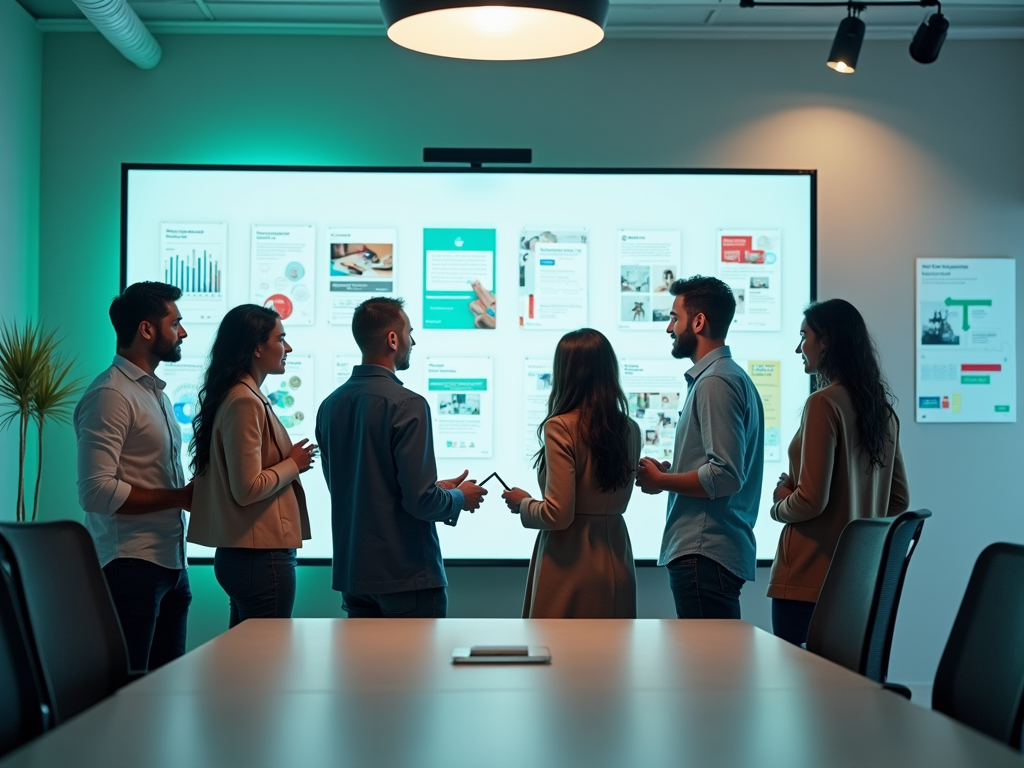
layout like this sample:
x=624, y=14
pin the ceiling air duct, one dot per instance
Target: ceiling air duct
x=117, y=22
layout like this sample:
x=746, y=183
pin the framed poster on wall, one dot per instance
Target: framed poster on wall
x=966, y=319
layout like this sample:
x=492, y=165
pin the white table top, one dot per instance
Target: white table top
x=383, y=693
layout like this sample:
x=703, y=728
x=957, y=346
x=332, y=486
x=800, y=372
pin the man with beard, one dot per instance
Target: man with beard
x=378, y=458
x=714, y=482
x=130, y=480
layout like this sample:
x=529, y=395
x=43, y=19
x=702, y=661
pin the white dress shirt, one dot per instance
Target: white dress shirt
x=127, y=437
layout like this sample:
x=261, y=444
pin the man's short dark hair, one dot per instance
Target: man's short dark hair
x=140, y=302
x=710, y=296
x=374, y=319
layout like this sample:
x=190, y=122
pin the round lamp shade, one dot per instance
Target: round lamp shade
x=518, y=29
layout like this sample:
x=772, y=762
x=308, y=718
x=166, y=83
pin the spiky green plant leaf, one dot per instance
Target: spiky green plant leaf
x=22, y=355
x=54, y=394
x=35, y=385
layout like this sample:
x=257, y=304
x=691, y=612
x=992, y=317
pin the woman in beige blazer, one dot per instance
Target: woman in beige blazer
x=845, y=461
x=582, y=564
x=248, y=501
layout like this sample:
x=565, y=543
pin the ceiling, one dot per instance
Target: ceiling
x=685, y=19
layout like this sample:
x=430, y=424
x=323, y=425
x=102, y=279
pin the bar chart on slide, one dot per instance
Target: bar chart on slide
x=195, y=271
x=194, y=261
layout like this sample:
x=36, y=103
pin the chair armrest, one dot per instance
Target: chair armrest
x=900, y=690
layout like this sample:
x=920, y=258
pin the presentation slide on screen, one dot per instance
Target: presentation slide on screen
x=966, y=340
x=561, y=250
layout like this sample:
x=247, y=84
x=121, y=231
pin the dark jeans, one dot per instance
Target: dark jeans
x=260, y=582
x=417, y=604
x=152, y=605
x=791, y=618
x=703, y=589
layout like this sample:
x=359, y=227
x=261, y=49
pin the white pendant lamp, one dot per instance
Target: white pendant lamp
x=513, y=30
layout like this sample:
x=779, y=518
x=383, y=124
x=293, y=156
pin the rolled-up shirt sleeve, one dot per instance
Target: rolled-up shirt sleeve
x=103, y=420
x=721, y=411
x=412, y=445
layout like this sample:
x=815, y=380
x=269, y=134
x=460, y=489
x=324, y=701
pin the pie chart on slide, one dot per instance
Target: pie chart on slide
x=280, y=304
x=184, y=400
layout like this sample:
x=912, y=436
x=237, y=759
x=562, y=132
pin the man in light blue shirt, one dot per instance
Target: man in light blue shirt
x=714, y=482
x=130, y=480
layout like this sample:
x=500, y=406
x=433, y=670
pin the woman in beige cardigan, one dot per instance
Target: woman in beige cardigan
x=582, y=564
x=845, y=461
x=248, y=501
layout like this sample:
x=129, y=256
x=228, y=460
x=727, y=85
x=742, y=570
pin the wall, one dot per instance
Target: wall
x=21, y=57
x=911, y=159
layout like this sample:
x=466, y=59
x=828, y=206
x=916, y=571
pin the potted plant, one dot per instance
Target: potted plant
x=34, y=387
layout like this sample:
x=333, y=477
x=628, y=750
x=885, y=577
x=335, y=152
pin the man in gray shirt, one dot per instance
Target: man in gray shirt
x=714, y=482
x=378, y=458
x=130, y=480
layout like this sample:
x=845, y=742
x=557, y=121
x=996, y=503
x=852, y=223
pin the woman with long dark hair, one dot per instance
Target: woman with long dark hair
x=582, y=564
x=845, y=460
x=248, y=501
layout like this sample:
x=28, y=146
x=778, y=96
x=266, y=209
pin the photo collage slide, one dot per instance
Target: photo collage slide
x=459, y=267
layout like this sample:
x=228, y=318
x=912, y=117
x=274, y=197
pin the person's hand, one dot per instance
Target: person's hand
x=303, y=454
x=514, y=498
x=783, y=488
x=185, y=495
x=483, y=306
x=648, y=475
x=474, y=495
x=452, y=484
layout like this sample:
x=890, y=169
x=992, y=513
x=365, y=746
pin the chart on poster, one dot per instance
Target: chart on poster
x=966, y=340
x=494, y=267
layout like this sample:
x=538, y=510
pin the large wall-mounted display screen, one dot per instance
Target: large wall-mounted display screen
x=494, y=266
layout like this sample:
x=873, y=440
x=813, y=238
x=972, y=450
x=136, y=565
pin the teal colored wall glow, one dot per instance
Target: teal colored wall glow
x=912, y=160
x=21, y=61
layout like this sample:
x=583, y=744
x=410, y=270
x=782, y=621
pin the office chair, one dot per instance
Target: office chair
x=855, y=615
x=23, y=708
x=68, y=613
x=980, y=679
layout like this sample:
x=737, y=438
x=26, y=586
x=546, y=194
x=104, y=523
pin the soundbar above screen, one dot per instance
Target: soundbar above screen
x=494, y=266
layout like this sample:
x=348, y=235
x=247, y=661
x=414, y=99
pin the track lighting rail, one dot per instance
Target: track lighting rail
x=924, y=48
x=858, y=6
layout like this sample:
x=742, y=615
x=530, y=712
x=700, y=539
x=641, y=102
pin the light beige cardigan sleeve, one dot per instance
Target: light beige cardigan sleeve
x=558, y=508
x=243, y=428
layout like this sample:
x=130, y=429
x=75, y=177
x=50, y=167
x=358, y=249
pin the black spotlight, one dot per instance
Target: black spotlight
x=927, y=43
x=846, y=47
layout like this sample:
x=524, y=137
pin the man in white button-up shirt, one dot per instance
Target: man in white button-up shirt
x=130, y=479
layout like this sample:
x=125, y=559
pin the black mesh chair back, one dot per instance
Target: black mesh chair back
x=23, y=707
x=855, y=615
x=904, y=535
x=69, y=613
x=980, y=679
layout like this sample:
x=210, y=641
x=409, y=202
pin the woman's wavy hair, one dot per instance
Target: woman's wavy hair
x=586, y=378
x=849, y=356
x=242, y=330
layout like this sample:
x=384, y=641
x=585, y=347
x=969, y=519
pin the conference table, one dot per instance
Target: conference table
x=384, y=693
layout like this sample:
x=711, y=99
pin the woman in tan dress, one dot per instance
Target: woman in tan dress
x=582, y=564
x=844, y=462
